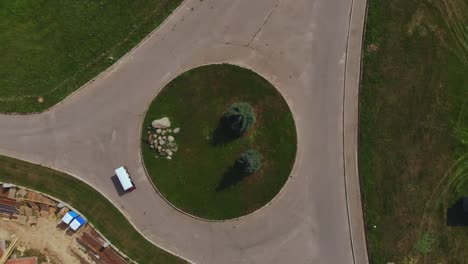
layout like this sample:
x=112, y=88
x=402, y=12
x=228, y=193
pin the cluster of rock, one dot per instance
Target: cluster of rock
x=161, y=137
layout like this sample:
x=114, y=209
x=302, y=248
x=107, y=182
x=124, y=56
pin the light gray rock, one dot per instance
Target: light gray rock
x=158, y=131
x=176, y=130
x=161, y=123
x=162, y=142
x=169, y=157
x=152, y=146
x=168, y=152
x=154, y=135
x=170, y=138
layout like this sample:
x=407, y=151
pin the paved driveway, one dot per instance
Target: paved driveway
x=298, y=45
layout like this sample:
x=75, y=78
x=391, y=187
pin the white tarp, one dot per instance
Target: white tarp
x=8, y=185
x=77, y=223
x=124, y=178
x=68, y=217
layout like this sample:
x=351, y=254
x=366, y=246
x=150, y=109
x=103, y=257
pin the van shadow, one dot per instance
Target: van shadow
x=117, y=185
x=456, y=215
x=231, y=177
x=222, y=134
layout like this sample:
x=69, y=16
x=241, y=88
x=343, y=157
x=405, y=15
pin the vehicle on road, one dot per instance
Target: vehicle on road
x=125, y=179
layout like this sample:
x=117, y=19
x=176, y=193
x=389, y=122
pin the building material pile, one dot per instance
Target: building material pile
x=99, y=248
x=27, y=260
x=8, y=206
x=9, y=251
x=26, y=206
x=43, y=201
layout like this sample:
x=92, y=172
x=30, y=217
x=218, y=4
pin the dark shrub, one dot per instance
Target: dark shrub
x=249, y=162
x=239, y=118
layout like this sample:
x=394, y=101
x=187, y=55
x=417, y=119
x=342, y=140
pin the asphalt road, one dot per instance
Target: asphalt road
x=301, y=46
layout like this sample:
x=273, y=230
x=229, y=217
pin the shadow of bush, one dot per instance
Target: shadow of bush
x=222, y=134
x=231, y=177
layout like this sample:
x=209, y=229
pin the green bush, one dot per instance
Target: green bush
x=239, y=118
x=250, y=161
x=425, y=243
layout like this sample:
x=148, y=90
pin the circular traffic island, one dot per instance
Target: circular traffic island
x=219, y=142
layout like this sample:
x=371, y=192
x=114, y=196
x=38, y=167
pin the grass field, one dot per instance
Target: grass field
x=192, y=180
x=51, y=48
x=413, y=129
x=104, y=216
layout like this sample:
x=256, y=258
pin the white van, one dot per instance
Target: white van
x=125, y=179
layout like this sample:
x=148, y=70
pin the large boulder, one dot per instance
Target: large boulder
x=161, y=123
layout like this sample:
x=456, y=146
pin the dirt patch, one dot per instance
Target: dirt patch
x=415, y=21
x=372, y=48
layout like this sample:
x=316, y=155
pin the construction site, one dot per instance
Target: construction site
x=38, y=229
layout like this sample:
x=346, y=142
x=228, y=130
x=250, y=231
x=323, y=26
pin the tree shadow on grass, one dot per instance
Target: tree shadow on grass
x=222, y=134
x=456, y=216
x=231, y=177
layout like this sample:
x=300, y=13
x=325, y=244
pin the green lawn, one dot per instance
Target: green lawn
x=104, y=216
x=51, y=48
x=413, y=129
x=195, y=102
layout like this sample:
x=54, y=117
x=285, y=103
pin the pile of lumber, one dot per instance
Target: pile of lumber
x=8, y=205
x=39, y=201
x=98, y=248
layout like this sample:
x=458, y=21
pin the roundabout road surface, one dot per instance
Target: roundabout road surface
x=301, y=46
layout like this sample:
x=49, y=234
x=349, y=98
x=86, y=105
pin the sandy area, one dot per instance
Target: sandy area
x=53, y=242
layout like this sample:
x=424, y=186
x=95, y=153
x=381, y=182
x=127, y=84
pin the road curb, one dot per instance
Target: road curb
x=352, y=80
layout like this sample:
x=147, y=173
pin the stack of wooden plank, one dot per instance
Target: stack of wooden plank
x=8, y=206
x=96, y=245
x=40, y=201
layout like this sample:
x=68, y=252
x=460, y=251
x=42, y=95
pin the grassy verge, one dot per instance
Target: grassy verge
x=88, y=201
x=51, y=48
x=192, y=180
x=413, y=111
